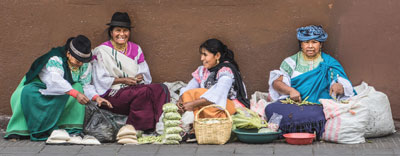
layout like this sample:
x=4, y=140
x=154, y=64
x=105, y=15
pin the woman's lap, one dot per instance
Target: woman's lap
x=194, y=94
x=71, y=117
x=306, y=118
x=142, y=104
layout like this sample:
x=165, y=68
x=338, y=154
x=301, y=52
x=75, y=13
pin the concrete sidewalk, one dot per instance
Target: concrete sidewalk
x=387, y=146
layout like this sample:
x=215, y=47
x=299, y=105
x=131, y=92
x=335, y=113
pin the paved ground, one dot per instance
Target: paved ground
x=385, y=146
x=388, y=146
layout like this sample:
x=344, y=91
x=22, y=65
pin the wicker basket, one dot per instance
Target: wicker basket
x=212, y=130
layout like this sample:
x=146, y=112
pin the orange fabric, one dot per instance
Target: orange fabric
x=73, y=93
x=194, y=94
x=95, y=97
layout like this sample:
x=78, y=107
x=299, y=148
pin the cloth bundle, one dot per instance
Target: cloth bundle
x=61, y=136
x=171, y=124
x=127, y=135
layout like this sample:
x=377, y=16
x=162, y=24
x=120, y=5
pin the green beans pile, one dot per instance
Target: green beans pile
x=304, y=102
x=150, y=139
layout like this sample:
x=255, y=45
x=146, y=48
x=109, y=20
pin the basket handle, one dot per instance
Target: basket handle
x=213, y=105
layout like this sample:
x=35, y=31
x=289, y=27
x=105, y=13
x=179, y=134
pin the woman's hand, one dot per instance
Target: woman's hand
x=336, y=89
x=130, y=81
x=189, y=106
x=179, y=104
x=295, y=95
x=125, y=80
x=139, y=78
x=82, y=99
x=101, y=101
x=282, y=88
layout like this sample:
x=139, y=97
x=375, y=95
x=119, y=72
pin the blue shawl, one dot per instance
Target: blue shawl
x=315, y=83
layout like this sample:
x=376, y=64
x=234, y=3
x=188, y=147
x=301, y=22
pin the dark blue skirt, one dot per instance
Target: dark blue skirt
x=306, y=118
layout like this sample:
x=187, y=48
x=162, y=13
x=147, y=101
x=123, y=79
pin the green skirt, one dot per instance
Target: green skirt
x=37, y=115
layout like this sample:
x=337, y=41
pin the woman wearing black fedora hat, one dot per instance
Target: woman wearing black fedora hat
x=50, y=95
x=122, y=76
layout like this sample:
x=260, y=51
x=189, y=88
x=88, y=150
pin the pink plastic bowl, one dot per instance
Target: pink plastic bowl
x=299, y=138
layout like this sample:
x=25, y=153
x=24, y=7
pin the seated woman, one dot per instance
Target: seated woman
x=50, y=95
x=307, y=75
x=217, y=81
x=122, y=76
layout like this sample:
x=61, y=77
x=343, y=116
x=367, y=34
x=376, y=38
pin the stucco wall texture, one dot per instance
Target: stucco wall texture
x=362, y=35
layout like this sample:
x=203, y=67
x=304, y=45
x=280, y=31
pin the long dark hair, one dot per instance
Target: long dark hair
x=214, y=46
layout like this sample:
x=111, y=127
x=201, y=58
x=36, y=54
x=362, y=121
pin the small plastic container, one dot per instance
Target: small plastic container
x=299, y=138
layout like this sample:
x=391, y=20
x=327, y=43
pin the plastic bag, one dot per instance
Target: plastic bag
x=176, y=137
x=172, y=123
x=170, y=107
x=102, y=124
x=173, y=130
x=247, y=119
x=160, y=125
x=274, y=121
x=258, y=102
x=187, y=120
x=172, y=116
x=265, y=130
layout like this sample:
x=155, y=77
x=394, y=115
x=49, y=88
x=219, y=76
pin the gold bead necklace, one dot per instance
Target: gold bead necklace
x=121, y=48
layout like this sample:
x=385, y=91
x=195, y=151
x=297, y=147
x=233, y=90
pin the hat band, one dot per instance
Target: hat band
x=71, y=46
x=118, y=23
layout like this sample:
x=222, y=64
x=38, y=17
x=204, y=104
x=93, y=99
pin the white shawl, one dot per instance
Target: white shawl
x=116, y=64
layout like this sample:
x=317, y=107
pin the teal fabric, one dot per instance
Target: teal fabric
x=39, y=63
x=311, y=32
x=70, y=119
x=41, y=112
x=315, y=83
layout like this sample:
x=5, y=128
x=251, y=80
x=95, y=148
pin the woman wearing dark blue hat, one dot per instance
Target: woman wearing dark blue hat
x=308, y=75
x=52, y=93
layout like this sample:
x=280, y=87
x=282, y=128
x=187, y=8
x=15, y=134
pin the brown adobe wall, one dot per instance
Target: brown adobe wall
x=362, y=35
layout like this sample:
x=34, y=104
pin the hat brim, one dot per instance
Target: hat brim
x=81, y=59
x=119, y=24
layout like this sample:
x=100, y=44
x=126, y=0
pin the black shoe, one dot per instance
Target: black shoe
x=16, y=137
x=191, y=138
x=184, y=136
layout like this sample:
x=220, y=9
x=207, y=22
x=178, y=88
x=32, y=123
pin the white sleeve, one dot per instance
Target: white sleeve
x=273, y=75
x=52, y=75
x=89, y=91
x=191, y=85
x=218, y=93
x=101, y=79
x=347, y=87
x=85, y=80
x=143, y=67
x=145, y=71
